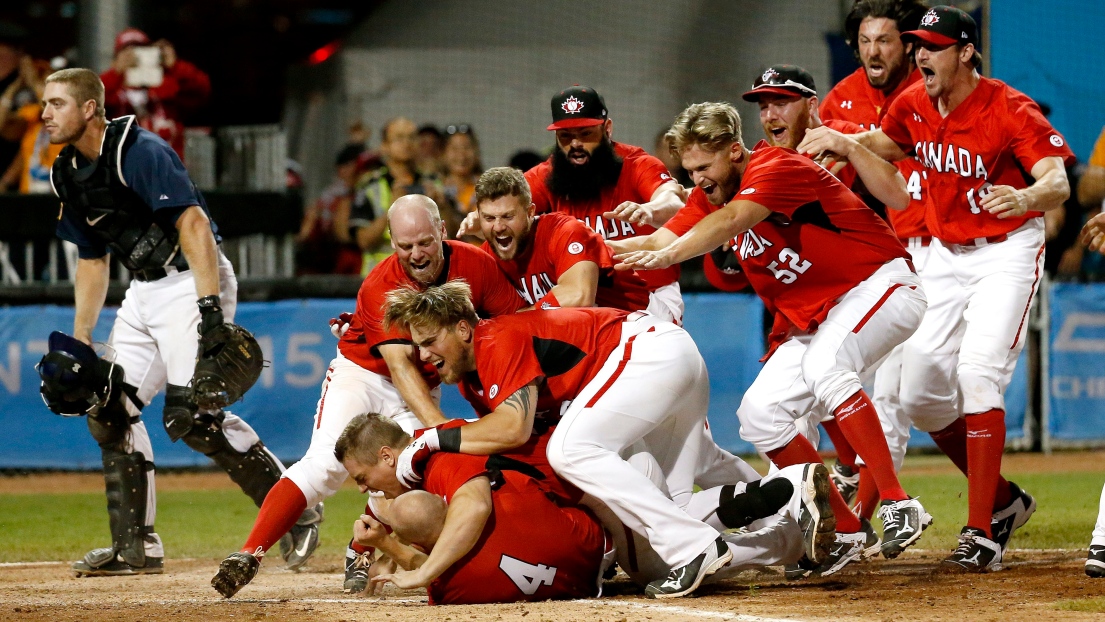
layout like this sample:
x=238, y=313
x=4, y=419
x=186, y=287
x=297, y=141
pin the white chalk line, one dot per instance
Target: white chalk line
x=685, y=611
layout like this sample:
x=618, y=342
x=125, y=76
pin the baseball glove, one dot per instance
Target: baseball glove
x=228, y=363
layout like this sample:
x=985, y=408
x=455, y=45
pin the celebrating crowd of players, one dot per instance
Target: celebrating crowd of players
x=890, y=230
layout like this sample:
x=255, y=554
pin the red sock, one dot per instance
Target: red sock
x=281, y=509
x=867, y=497
x=985, y=445
x=952, y=440
x=801, y=451
x=844, y=452
x=859, y=421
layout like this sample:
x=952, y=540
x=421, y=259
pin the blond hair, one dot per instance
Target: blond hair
x=711, y=125
x=433, y=308
x=362, y=439
x=502, y=181
x=83, y=85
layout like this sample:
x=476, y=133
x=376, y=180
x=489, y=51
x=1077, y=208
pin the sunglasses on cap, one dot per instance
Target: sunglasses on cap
x=776, y=80
x=462, y=128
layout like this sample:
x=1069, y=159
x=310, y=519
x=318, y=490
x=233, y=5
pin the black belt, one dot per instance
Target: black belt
x=155, y=274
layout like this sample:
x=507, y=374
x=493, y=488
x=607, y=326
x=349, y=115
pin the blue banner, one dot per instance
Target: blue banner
x=1077, y=363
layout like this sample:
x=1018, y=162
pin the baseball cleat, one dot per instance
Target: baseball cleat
x=902, y=524
x=686, y=579
x=107, y=563
x=1095, y=561
x=846, y=480
x=237, y=570
x=846, y=548
x=975, y=553
x=356, y=570
x=1012, y=517
x=297, y=546
x=816, y=518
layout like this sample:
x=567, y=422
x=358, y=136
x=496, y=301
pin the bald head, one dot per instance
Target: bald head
x=418, y=517
x=416, y=235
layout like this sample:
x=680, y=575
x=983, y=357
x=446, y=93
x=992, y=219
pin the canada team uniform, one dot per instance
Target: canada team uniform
x=641, y=175
x=854, y=99
x=556, y=243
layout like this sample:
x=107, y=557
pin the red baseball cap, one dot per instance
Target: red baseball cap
x=945, y=25
x=578, y=106
x=130, y=36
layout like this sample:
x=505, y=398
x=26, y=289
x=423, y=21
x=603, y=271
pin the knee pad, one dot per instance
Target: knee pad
x=179, y=415
x=109, y=424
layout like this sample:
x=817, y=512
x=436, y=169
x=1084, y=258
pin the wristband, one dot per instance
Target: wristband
x=548, y=302
x=209, y=304
x=449, y=439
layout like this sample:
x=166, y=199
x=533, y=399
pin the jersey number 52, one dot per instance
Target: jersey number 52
x=790, y=259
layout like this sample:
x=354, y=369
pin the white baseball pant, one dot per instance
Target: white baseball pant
x=816, y=372
x=652, y=388
x=347, y=391
x=1099, y=528
x=963, y=354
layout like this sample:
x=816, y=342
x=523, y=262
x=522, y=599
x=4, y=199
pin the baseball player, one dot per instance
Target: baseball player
x=375, y=370
x=618, y=190
x=553, y=260
x=617, y=379
x=976, y=138
x=1093, y=236
x=799, y=493
x=125, y=194
x=839, y=285
x=873, y=29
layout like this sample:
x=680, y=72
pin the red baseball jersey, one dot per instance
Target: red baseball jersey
x=557, y=243
x=530, y=549
x=819, y=242
x=697, y=208
x=993, y=138
x=641, y=175
x=854, y=99
x=491, y=294
x=564, y=347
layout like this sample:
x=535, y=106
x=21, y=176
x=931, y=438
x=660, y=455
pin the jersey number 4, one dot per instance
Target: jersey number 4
x=526, y=576
x=790, y=259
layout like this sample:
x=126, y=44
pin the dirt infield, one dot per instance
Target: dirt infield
x=1039, y=585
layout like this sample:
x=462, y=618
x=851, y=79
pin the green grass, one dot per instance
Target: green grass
x=1093, y=605
x=210, y=524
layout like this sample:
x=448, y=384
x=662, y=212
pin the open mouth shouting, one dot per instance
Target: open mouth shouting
x=578, y=157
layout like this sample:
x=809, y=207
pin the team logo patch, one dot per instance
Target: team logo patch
x=1056, y=140
x=930, y=18
x=575, y=248
x=769, y=74
x=748, y=191
x=493, y=392
x=572, y=105
x=665, y=177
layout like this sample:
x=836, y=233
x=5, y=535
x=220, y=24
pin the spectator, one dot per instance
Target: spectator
x=429, y=145
x=324, y=242
x=379, y=188
x=675, y=167
x=29, y=172
x=462, y=166
x=14, y=93
x=161, y=103
x=525, y=159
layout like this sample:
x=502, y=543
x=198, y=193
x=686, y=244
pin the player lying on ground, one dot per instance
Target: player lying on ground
x=498, y=538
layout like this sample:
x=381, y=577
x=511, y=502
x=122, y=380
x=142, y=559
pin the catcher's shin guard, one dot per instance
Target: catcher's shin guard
x=126, y=476
x=255, y=469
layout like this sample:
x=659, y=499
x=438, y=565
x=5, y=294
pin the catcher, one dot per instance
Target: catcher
x=125, y=194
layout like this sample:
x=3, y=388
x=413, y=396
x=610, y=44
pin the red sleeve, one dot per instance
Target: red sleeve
x=572, y=242
x=536, y=179
x=844, y=127
x=370, y=308
x=494, y=295
x=893, y=123
x=1036, y=139
x=782, y=183
x=649, y=174
x=504, y=370
x=697, y=208
x=447, y=472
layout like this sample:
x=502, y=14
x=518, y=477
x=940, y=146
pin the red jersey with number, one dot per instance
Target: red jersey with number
x=819, y=241
x=854, y=99
x=993, y=138
x=558, y=242
x=641, y=175
x=530, y=549
x=565, y=348
x=491, y=294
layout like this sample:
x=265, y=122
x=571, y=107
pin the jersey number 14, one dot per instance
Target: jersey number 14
x=527, y=577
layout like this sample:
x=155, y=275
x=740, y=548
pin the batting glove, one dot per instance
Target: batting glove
x=412, y=460
x=340, y=324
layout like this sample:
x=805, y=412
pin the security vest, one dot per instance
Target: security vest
x=114, y=214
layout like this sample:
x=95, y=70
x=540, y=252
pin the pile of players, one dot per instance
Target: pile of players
x=563, y=332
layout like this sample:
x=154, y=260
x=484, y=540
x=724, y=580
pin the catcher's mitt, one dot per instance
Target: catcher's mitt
x=228, y=363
